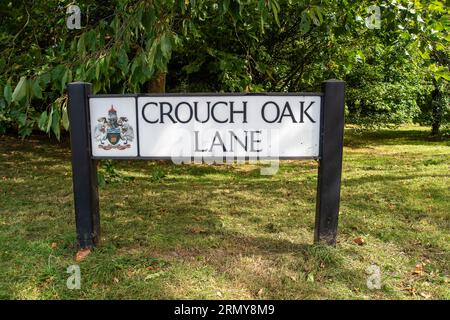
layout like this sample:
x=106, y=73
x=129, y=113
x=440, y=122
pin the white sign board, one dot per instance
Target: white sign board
x=206, y=126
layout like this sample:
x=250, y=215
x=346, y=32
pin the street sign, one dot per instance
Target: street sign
x=262, y=126
x=192, y=127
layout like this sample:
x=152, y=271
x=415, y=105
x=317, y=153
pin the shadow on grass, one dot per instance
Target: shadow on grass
x=233, y=221
x=354, y=139
x=354, y=182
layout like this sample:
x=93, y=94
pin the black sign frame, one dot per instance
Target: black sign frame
x=84, y=165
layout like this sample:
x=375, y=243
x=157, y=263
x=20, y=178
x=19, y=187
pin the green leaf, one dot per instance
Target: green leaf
x=2, y=64
x=97, y=87
x=42, y=120
x=319, y=14
x=58, y=75
x=225, y=6
x=194, y=66
x=148, y=19
x=7, y=93
x=64, y=79
x=160, y=62
x=80, y=73
x=261, y=5
x=122, y=61
x=25, y=131
x=91, y=40
x=45, y=79
x=443, y=74
x=166, y=46
x=305, y=23
x=262, y=24
x=97, y=70
x=20, y=90
x=65, y=118
x=49, y=123
x=436, y=6
x=37, y=92
x=81, y=46
x=22, y=119
x=275, y=13
x=425, y=55
x=55, y=123
x=151, y=53
x=314, y=18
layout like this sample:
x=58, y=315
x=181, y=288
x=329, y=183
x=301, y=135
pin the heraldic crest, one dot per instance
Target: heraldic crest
x=113, y=132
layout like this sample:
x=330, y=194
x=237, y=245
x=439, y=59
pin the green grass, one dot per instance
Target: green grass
x=214, y=232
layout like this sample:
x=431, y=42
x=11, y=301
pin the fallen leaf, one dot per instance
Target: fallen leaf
x=359, y=241
x=54, y=245
x=154, y=275
x=411, y=290
x=418, y=269
x=82, y=254
x=196, y=230
x=425, y=295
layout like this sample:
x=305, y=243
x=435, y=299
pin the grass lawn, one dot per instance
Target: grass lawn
x=227, y=232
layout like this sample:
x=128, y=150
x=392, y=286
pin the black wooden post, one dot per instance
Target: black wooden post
x=84, y=169
x=330, y=163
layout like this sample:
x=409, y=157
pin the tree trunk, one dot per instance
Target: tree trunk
x=435, y=126
x=157, y=84
x=436, y=112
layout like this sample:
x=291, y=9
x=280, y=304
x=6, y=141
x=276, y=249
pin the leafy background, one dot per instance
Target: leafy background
x=396, y=74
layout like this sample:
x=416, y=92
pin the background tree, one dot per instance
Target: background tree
x=395, y=74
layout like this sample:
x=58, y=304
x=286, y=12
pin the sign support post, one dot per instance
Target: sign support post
x=84, y=168
x=103, y=127
x=330, y=163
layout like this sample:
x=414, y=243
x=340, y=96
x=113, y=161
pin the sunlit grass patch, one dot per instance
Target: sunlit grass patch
x=226, y=231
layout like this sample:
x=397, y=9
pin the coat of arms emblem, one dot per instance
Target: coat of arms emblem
x=113, y=132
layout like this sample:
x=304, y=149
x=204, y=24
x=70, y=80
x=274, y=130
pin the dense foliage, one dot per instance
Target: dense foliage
x=395, y=74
